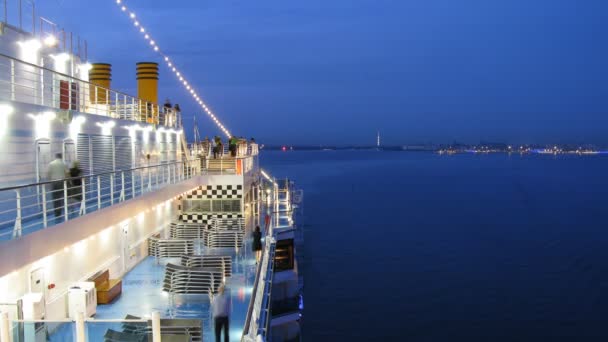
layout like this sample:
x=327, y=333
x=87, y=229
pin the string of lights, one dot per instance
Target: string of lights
x=171, y=65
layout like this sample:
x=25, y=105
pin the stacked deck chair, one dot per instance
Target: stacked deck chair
x=169, y=248
x=172, y=330
x=223, y=262
x=225, y=233
x=192, y=280
x=183, y=230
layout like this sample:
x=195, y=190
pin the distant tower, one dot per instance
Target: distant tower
x=378, y=140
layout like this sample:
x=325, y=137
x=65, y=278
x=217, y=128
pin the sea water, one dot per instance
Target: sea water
x=415, y=246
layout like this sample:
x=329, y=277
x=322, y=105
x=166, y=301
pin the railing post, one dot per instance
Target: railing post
x=133, y=184
x=44, y=219
x=13, y=80
x=111, y=188
x=4, y=327
x=17, y=227
x=98, y=193
x=80, y=331
x=83, y=204
x=156, y=177
x=65, y=200
x=156, y=326
x=122, y=188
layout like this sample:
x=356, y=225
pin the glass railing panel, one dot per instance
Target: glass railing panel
x=116, y=330
x=26, y=331
x=29, y=208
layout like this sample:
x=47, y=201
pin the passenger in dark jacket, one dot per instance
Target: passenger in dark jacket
x=75, y=190
x=256, y=246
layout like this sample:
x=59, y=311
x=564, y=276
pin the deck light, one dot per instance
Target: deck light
x=172, y=67
x=50, y=40
x=29, y=50
x=106, y=127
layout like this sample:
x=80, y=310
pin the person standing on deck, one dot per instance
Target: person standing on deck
x=222, y=305
x=214, y=147
x=75, y=190
x=256, y=245
x=57, y=171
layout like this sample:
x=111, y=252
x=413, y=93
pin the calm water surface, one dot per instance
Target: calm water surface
x=420, y=247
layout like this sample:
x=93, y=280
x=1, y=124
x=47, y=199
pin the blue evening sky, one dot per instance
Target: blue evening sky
x=334, y=71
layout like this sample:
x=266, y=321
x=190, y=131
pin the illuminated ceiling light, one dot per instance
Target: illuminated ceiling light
x=156, y=48
x=123, y=8
x=142, y=30
x=132, y=15
x=166, y=59
x=61, y=58
x=50, y=40
x=85, y=67
x=136, y=23
x=118, y=1
x=146, y=36
x=152, y=42
x=169, y=64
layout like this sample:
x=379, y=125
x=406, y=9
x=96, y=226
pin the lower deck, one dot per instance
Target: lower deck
x=142, y=294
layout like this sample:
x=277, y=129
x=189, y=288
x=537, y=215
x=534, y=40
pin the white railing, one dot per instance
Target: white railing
x=29, y=83
x=205, y=149
x=21, y=15
x=258, y=316
x=81, y=329
x=28, y=208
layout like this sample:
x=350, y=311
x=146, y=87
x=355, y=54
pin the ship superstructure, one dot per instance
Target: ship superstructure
x=136, y=246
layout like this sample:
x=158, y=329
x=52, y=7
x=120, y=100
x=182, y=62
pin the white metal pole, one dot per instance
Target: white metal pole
x=65, y=200
x=156, y=326
x=4, y=328
x=80, y=331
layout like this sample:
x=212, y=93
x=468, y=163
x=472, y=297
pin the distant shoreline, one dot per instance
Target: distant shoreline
x=460, y=149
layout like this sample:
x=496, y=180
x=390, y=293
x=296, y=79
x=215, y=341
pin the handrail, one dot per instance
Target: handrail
x=260, y=296
x=69, y=76
x=79, y=95
x=91, y=175
x=40, y=205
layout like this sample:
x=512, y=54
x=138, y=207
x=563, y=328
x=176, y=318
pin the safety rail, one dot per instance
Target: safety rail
x=25, y=82
x=258, y=317
x=205, y=149
x=81, y=329
x=28, y=208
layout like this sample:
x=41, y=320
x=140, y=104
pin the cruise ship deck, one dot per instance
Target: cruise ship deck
x=142, y=294
x=137, y=243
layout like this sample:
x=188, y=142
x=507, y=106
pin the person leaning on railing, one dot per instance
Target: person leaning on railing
x=57, y=172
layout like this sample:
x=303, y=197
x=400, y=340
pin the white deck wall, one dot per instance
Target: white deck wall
x=75, y=250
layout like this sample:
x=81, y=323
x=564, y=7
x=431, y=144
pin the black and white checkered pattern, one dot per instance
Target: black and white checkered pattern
x=205, y=218
x=216, y=192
